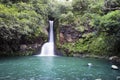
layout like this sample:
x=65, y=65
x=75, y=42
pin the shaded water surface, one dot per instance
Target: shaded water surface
x=55, y=68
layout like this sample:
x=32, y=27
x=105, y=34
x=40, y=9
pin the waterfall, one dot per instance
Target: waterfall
x=48, y=47
x=51, y=38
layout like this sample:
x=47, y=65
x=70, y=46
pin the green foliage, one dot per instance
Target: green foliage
x=80, y=46
x=67, y=18
x=98, y=46
x=96, y=6
x=112, y=3
x=13, y=1
x=24, y=22
x=111, y=26
x=91, y=6
x=110, y=22
x=56, y=8
x=19, y=23
x=80, y=5
x=98, y=21
x=103, y=16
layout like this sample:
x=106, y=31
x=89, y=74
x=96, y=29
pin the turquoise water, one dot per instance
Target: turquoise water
x=56, y=68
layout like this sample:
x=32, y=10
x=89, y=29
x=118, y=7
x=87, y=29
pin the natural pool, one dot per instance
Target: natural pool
x=56, y=68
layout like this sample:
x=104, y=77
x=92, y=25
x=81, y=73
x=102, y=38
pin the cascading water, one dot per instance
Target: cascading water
x=48, y=48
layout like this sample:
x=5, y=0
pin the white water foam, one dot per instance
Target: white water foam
x=48, y=47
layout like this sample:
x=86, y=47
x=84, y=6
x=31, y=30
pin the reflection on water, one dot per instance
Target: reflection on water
x=48, y=64
x=56, y=68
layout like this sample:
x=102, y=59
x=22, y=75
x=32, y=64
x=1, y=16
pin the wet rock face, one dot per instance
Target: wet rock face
x=28, y=47
x=69, y=34
x=62, y=38
x=115, y=59
x=23, y=47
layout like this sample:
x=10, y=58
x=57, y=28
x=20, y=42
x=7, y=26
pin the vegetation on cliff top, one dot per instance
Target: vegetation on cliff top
x=21, y=22
x=99, y=23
